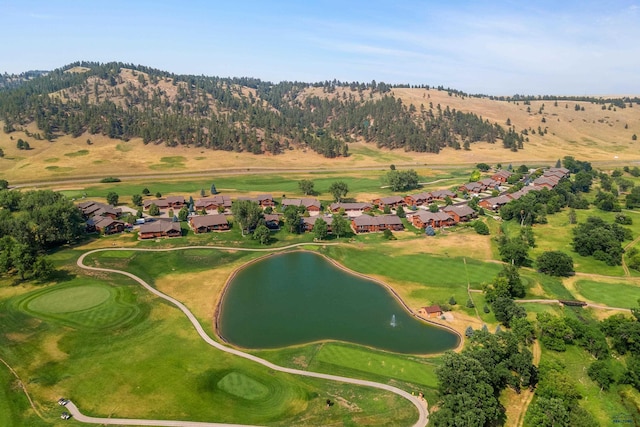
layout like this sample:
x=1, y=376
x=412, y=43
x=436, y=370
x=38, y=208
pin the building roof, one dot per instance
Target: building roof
x=160, y=226
x=391, y=200
x=356, y=206
x=428, y=216
x=432, y=309
x=305, y=201
x=208, y=220
x=217, y=200
x=367, y=220
x=441, y=194
x=460, y=210
x=312, y=219
x=421, y=196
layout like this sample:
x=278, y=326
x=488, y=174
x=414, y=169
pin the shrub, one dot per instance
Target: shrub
x=481, y=228
x=110, y=179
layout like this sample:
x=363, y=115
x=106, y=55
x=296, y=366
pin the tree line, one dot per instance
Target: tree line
x=31, y=223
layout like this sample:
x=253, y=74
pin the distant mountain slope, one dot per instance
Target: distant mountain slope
x=240, y=114
x=123, y=102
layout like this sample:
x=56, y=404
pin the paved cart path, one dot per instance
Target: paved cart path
x=420, y=404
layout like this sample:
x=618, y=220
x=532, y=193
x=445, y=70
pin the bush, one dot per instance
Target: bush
x=481, y=228
x=110, y=179
x=452, y=301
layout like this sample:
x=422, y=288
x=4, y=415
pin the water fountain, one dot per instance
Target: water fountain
x=393, y=321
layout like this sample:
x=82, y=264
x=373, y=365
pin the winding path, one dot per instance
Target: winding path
x=421, y=405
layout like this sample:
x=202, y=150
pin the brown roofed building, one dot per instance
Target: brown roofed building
x=159, y=228
x=351, y=209
x=494, y=203
x=460, y=213
x=423, y=219
x=264, y=200
x=418, y=199
x=443, y=194
x=207, y=223
x=391, y=201
x=372, y=224
x=309, y=222
x=501, y=175
x=213, y=203
x=106, y=225
x=430, y=312
x=311, y=204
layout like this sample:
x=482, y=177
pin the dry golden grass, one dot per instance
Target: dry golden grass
x=593, y=135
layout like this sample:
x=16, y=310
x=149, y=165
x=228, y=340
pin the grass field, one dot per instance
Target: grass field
x=623, y=295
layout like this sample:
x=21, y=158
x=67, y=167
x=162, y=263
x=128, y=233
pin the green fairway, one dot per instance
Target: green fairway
x=431, y=278
x=382, y=364
x=611, y=294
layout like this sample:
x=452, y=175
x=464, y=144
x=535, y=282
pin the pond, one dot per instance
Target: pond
x=301, y=297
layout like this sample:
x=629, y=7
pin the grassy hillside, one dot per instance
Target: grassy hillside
x=84, y=148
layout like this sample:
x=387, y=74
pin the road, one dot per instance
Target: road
x=420, y=404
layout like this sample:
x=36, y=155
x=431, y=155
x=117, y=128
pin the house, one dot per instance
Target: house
x=391, y=201
x=272, y=221
x=176, y=202
x=312, y=205
x=560, y=172
x=423, y=219
x=472, y=187
x=460, y=213
x=213, y=203
x=160, y=203
x=443, y=194
x=207, y=223
x=159, y=228
x=549, y=181
x=490, y=184
x=524, y=190
x=430, y=312
x=309, y=222
x=105, y=225
x=501, y=175
x=494, y=203
x=351, y=209
x=91, y=208
x=373, y=224
x=418, y=199
x=264, y=200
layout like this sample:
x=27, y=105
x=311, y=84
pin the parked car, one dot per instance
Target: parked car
x=62, y=401
x=65, y=416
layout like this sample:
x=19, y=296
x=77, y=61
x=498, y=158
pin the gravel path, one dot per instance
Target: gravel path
x=420, y=404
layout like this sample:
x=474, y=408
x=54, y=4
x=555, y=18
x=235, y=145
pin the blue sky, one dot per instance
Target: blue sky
x=498, y=48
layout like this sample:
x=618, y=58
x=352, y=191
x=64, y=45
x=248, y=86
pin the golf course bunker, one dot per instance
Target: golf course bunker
x=86, y=306
x=301, y=297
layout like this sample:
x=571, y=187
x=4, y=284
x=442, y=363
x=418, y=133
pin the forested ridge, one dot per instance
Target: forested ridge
x=124, y=101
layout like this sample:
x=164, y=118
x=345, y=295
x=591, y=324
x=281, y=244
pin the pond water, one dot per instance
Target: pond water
x=300, y=297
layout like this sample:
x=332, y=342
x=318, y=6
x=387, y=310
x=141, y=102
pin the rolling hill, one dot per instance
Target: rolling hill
x=89, y=119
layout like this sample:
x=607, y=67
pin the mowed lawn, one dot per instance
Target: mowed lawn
x=385, y=365
x=419, y=278
x=624, y=295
